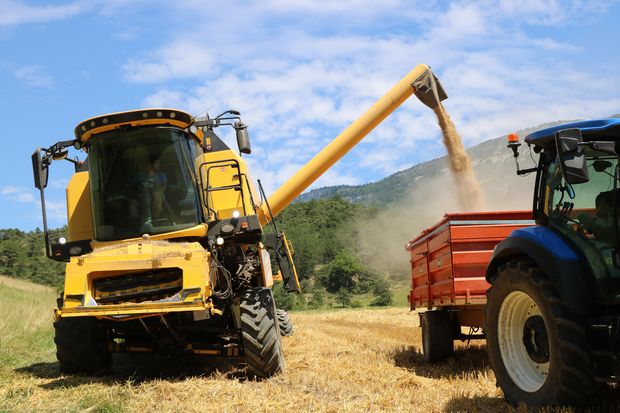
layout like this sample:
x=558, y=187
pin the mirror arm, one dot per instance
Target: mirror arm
x=46, y=234
x=55, y=148
x=526, y=171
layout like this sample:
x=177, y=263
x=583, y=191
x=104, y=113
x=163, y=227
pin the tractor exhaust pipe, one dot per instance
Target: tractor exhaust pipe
x=428, y=89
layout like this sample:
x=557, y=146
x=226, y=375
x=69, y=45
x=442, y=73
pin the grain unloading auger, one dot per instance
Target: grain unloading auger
x=165, y=249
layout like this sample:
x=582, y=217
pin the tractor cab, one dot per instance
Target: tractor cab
x=578, y=194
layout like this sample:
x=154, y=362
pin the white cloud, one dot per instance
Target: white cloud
x=56, y=212
x=17, y=194
x=180, y=59
x=59, y=183
x=14, y=13
x=553, y=12
x=34, y=76
x=298, y=82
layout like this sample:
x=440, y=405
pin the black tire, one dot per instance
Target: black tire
x=81, y=346
x=549, y=355
x=260, y=334
x=284, y=323
x=437, y=335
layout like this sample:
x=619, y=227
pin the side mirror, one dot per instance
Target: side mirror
x=243, y=138
x=59, y=156
x=571, y=156
x=39, y=170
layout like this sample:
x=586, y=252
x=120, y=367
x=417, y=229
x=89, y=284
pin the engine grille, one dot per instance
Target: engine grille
x=138, y=287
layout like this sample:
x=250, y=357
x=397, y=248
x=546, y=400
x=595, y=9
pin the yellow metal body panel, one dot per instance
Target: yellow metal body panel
x=216, y=171
x=197, y=231
x=337, y=148
x=79, y=215
x=128, y=257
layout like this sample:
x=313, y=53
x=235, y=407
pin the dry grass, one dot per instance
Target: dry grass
x=346, y=361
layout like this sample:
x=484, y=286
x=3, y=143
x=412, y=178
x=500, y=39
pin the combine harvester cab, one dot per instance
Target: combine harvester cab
x=166, y=250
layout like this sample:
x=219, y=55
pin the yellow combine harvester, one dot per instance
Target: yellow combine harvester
x=166, y=250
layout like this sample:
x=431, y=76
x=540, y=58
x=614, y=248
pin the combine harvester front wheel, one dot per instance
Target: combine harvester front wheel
x=261, y=333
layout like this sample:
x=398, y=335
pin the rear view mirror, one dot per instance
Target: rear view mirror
x=39, y=170
x=571, y=156
x=59, y=156
x=243, y=138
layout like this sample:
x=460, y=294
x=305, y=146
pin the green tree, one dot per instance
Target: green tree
x=343, y=271
x=284, y=300
x=348, y=272
x=383, y=295
x=343, y=297
x=22, y=255
x=320, y=229
x=317, y=297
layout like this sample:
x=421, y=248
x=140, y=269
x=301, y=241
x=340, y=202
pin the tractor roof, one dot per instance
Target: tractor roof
x=591, y=130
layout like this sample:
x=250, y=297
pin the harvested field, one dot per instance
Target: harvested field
x=364, y=360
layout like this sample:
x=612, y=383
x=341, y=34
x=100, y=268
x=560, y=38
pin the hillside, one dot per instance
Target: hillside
x=493, y=164
x=342, y=361
x=416, y=198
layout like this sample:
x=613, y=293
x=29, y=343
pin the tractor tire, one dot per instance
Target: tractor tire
x=81, y=346
x=437, y=336
x=260, y=334
x=284, y=323
x=537, y=347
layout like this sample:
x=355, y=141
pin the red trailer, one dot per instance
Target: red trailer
x=448, y=267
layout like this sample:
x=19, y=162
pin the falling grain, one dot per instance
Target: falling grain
x=468, y=189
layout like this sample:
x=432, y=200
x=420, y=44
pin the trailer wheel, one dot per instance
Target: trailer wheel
x=284, y=323
x=260, y=333
x=537, y=347
x=81, y=346
x=437, y=335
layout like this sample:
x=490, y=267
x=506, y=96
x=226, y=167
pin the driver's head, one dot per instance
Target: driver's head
x=154, y=162
x=604, y=205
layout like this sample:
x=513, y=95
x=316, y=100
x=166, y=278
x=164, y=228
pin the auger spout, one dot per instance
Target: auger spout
x=420, y=81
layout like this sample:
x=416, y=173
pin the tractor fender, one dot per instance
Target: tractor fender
x=559, y=261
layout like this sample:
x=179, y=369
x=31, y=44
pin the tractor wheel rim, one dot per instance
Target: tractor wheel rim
x=523, y=341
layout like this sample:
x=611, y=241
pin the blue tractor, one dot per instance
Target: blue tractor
x=552, y=319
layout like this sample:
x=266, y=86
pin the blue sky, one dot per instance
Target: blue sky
x=299, y=71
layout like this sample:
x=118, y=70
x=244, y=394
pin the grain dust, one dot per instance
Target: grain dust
x=468, y=189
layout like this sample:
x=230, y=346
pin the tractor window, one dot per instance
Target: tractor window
x=584, y=213
x=586, y=197
x=142, y=181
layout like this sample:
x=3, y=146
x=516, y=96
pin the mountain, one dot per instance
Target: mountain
x=416, y=198
x=493, y=164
